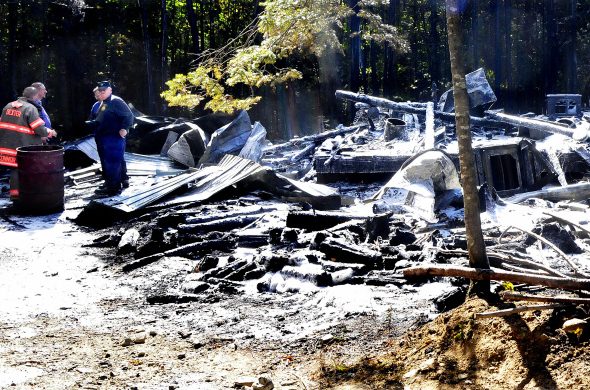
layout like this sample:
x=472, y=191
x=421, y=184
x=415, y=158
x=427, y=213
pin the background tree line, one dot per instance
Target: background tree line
x=529, y=48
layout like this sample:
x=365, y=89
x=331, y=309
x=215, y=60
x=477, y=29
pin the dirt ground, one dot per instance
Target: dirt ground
x=69, y=318
x=522, y=351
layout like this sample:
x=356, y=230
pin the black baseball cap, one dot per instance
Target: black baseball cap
x=103, y=85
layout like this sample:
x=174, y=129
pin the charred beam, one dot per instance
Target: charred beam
x=319, y=220
x=344, y=252
x=578, y=191
x=385, y=103
x=188, y=249
x=317, y=138
x=220, y=225
x=553, y=128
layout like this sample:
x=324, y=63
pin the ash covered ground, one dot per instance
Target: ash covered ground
x=71, y=318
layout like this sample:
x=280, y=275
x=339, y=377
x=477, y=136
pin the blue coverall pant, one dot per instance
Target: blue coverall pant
x=111, y=150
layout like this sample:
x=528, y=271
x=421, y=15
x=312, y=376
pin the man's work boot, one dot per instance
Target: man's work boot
x=106, y=191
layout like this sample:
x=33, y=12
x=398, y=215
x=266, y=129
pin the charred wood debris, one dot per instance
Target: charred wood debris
x=377, y=202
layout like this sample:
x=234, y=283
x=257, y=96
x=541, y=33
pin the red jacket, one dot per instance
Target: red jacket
x=20, y=125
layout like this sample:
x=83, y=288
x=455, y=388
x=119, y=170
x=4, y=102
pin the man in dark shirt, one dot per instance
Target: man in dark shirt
x=38, y=102
x=113, y=120
x=96, y=105
x=41, y=93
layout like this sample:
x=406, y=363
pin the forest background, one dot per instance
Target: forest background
x=529, y=48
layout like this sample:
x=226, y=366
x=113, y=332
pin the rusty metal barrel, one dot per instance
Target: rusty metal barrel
x=41, y=179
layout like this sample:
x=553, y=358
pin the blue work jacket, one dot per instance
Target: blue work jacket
x=113, y=115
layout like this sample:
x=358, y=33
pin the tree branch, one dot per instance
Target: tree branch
x=516, y=296
x=575, y=268
x=484, y=274
x=507, y=312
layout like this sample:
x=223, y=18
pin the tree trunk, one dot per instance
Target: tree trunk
x=551, y=48
x=147, y=47
x=12, y=26
x=355, y=46
x=475, y=33
x=475, y=242
x=44, y=43
x=329, y=81
x=413, y=40
x=507, y=65
x=389, y=64
x=192, y=22
x=201, y=22
x=434, y=42
x=572, y=62
x=213, y=17
x=374, y=74
x=498, y=76
x=164, y=47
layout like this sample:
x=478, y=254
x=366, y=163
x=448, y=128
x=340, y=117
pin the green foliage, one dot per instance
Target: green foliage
x=463, y=331
x=285, y=29
x=527, y=49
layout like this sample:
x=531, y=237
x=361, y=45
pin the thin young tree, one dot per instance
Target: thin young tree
x=147, y=47
x=475, y=242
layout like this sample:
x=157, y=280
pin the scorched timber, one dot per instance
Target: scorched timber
x=578, y=191
x=222, y=272
x=366, y=164
x=553, y=128
x=333, y=220
x=341, y=251
x=220, y=225
x=317, y=138
x=318, y=220
x=318, y=277
x=188, y=249
x=239, y=274
x=384, y=278
x=212, y=217
x=404, y=107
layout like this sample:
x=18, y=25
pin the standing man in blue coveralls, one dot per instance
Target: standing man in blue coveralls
x=91, y=123
x=113, y=120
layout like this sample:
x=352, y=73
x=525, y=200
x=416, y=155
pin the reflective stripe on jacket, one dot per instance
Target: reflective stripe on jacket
x=20, y=125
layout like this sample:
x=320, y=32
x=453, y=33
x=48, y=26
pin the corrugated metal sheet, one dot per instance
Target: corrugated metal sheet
x=145, y=196
x=230, y=170
x=137, y=164
x=86, y=145
x=208, y=181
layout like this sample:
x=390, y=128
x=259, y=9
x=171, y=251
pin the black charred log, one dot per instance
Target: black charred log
x=317, y=220
x=185, y=250
x=383, y=278
x=222, y=225
x=341, y=251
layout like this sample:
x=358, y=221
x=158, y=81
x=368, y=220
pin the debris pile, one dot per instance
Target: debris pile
x=251, y=214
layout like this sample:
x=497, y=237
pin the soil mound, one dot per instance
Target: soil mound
x=522, y=351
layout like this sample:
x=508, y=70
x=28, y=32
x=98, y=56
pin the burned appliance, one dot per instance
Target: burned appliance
x=512, y=166
x=560, y=105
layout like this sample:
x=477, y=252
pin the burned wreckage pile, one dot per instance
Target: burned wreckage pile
x=314, y=209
